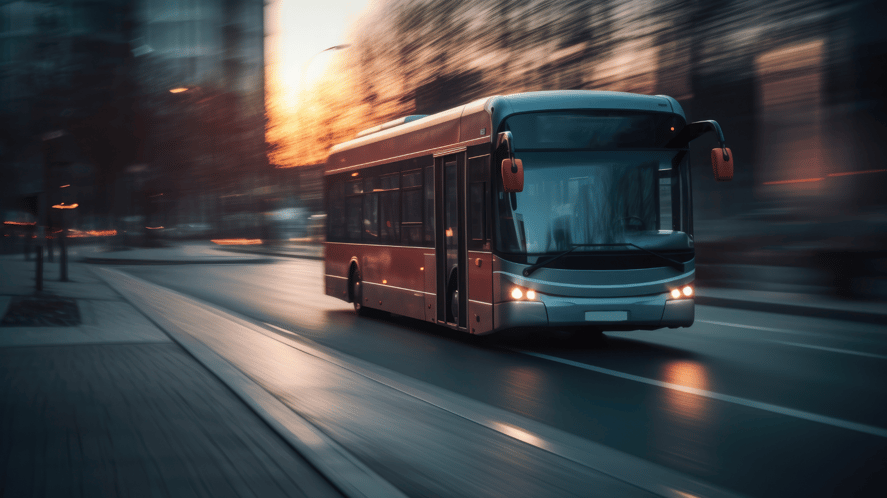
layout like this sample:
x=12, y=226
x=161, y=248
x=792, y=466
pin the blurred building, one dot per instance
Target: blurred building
x=102, y=70
x=798, y=86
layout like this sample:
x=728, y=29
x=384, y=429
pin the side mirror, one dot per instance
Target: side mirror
x=721, y=158
x=722, y=164
x=512, y=169
x=512, y=175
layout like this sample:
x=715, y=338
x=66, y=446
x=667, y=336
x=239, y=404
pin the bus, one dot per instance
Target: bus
x=558, y=209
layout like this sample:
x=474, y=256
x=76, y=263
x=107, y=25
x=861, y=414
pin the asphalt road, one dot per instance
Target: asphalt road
x=755, y=403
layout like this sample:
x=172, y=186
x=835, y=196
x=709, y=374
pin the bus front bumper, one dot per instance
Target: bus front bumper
x=642, y=312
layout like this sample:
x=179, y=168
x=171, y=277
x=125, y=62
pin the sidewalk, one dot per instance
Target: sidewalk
x=281, y=249
x=174, y=253
x=96, y=400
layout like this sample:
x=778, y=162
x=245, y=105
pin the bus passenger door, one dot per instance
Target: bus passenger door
x=451, y=240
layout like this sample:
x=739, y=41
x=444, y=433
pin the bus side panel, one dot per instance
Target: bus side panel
x=480, y=292
x=336, y=260
x=398, y=271
x=430, y=287
x=441, y=134
x=475, y=123
x=393, y=277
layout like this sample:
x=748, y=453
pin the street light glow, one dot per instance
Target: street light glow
x=65, y=206
x=178, y=90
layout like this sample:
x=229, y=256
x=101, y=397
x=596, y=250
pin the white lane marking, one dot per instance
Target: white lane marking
x=754, y=327
x=813, y=417
x=798, y=332
x=646, y=475
x=833, y=350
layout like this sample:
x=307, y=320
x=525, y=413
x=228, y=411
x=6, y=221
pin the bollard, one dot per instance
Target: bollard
x=63, y=256
x=39, y=276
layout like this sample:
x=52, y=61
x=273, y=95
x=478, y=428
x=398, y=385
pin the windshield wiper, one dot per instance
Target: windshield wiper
x=530, y=269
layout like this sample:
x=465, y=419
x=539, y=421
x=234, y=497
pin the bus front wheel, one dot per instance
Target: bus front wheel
x=454, y=297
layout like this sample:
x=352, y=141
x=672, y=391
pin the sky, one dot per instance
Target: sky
x=297, y=30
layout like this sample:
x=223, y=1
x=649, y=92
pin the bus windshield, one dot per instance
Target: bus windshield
x=593, y=130
x=570, y=198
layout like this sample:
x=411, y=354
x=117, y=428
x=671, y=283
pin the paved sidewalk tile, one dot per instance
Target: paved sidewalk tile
x=111, y=406
x=135, y=420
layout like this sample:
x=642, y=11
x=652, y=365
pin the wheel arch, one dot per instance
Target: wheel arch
x=353, y=269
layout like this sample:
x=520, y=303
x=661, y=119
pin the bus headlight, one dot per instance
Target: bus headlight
x=516, y=293
x=688, y=291
x=531, y=294
x=675, y=293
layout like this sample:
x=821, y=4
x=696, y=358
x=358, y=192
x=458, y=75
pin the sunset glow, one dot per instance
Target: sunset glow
x=298, y=66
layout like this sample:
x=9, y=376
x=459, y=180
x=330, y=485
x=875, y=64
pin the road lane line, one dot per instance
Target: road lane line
x=646, y=475
x=832, y=350
x=788, y=331
x=813, y=417
x=756, y=327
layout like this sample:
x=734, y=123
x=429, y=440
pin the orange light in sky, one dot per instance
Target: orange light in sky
x=178, y=90
x=65, y=206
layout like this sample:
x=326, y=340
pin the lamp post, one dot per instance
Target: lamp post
x=63, y=246
x=195, y=100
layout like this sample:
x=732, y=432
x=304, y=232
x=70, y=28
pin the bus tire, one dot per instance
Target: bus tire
x=453, y=296
x=357, y=293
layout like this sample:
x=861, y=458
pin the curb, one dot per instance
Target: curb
x=121, y=261
x=337, y=465
x=271, y=253
x=794, y=309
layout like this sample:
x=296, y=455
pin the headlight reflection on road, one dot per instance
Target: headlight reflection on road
x=685, y=433
x=689, y=374
x=520, y=434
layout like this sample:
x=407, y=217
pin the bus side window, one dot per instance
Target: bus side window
x=370, y=233
x=389, y=210
x=429, y=206
x=411, y=226
x=353, y=210
x=336, y=220
x=478, y=181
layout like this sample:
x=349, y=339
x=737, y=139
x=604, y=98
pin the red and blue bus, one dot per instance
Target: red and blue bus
x=563, y=209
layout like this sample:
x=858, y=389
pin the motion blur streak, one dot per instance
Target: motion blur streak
x=236, y=242
x=858, y=172
x=803, y=180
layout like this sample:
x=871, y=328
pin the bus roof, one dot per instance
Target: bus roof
x=507, y=105
x=476, y=122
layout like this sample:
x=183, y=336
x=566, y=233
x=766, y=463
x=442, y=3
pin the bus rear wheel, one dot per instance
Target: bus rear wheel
x=357, y=294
